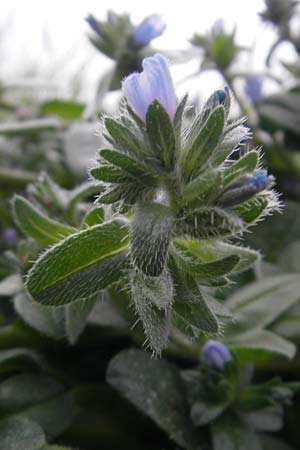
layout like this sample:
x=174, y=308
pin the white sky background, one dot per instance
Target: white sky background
x=48, y=38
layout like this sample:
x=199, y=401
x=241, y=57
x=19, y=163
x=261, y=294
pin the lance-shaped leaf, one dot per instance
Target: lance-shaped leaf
x=64, y=322
x=202, y=187
x=191, y=312
x=262, y=302
x=208, y=251
x=150, y=235
x=129, y=166
x=160, y=133
x=37, y=225
x=205, y=143
x=246, y=164
x=80, y=266
x=208, y=222
x=189, y=263
x=122, y=137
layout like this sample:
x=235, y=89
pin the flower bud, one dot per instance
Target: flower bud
x=245, y=187
x=150, y=28
x=93, y=23
x=253, y=88
x=154, y=83
x=215, y=354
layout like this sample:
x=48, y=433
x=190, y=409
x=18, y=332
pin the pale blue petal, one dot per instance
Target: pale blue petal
x=150, y=28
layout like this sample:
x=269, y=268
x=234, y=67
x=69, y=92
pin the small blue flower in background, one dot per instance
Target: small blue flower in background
x=93, y=23
x=9, y=236
x=154, y=82
x=215, y=354
x=253, y=88
x=150, y=28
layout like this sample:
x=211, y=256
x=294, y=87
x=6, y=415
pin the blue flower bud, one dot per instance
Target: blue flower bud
x=215, y=354
x=253, y=88
x=9, y=235
x=150, y=28
x=260, y=180
x=154, y=82
x=93, y=23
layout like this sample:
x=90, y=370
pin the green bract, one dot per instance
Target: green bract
x=187, y=189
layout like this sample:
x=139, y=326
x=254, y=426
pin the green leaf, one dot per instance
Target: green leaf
x=161, y=134
x=129, y=165
x=202, y=413
x=246, y=164
x=205, y=143
x=19, y=358
x=123, y=138
x=40, y=399
x=110, y=174
x=190, y=263
x=262, y=302
x=178, y=120
x=58, y=323
x=18, y=433
x=80, y=266
x=258, y=344
x=139, y=377
x=200, y=187
x=252, y=209
x=190, y=307
x=208, y=251
x=20, y=391
x=94, y=216
x=15, y=178
x=150, y=235
x=212, y=222
x=66, y=109
x=229, y=433
x=37, y=225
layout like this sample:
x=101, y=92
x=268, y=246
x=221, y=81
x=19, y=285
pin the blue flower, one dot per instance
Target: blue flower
x=215, y=354
x=253, y=88
x=9, y=235
x=150, y=28
x=154, y=82
x=93, y=23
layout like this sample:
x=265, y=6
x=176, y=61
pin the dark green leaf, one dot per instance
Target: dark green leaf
x=161, y=134
x=66, y=109
x=37, y=225
x=205, y=143
x=246, y=164
x=18, y=433
x=80, y=266
x=138, y=377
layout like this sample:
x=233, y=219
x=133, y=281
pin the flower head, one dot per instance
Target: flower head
x=93, y=23
x=253, y=88
x=150, y=28
x=154, y=82
x=215, y=354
